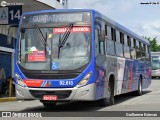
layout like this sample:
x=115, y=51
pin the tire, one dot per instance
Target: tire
x=110, y=93
x=139, y=91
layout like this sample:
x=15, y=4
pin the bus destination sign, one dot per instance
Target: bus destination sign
x=56, y=18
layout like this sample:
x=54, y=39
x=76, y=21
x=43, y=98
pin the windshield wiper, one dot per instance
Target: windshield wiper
x=43, y=40
x=59, y=45
x=64, y=38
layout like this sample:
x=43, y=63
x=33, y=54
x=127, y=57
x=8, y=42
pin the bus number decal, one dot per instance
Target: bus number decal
x=65, y=83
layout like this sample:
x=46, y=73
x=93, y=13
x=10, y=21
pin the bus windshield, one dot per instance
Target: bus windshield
x=36, y=53
x=155, y=62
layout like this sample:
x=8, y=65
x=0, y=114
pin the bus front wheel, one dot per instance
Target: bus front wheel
x=109, y=100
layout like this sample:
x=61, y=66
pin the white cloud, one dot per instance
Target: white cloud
x=88, y=4
x=149, y=29
x=142, y=19
x=103, y=6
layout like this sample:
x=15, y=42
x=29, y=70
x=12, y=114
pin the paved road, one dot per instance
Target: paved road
x=149, y=101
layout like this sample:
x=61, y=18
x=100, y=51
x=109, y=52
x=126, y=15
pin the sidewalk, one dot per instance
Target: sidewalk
x=7, y=99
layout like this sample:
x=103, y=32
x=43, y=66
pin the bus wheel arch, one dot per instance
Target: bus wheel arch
x=109, y=100
x=111, y=84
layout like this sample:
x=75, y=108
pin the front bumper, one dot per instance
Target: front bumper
x=85, y=93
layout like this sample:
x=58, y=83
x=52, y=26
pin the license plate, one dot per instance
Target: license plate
x=50, y=97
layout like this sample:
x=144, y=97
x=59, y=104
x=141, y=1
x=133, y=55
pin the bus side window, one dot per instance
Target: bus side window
x=138, y=51
x=134, y=40
x=113, y=32
x=140, y=46
x=106, y=30
x=102, y=48
x=137, y=44
x=96, y=43
x=125, y=40
x=126, y=47
x=110, y=43
x=147, y=53
x=133, y=51
x=143, y=52
x=99, y=45
x=108, y=33
x=118, y=45
x=129, y=41
x=144, y=48
x=121, y=37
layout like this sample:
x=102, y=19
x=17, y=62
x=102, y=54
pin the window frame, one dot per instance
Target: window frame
x=119, y=41
x=109, y=33
x=96, y=29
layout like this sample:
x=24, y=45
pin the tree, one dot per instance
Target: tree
x=154, y=44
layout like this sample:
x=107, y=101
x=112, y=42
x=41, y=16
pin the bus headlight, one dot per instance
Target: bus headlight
x=19, y=80
x=84, y=80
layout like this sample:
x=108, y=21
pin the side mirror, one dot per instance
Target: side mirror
x=9, y=36
x=10, y=33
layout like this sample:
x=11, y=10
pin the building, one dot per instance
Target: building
x=10, y=11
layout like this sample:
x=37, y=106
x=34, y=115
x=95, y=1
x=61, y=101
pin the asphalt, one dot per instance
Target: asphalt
x=149, y=101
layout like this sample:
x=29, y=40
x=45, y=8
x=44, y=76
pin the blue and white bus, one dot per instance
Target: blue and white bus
x=78, y=55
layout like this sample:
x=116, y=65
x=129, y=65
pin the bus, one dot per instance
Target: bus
x=78, y=55
x=155, y=61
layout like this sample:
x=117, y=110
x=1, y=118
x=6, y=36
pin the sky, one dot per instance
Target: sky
x=143, y=19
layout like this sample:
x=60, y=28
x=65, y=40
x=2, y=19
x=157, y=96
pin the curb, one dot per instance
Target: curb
x=7, y=99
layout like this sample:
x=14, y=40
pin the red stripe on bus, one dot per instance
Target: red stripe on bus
x=33, y=83
x=130, y=80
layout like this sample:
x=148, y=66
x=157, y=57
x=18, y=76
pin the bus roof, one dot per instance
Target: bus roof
x=119, y=26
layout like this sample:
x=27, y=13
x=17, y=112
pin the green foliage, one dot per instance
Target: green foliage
x=154, y=44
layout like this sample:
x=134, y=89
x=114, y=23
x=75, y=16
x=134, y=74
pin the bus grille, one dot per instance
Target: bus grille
x=60, y=94
x=50, y=76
